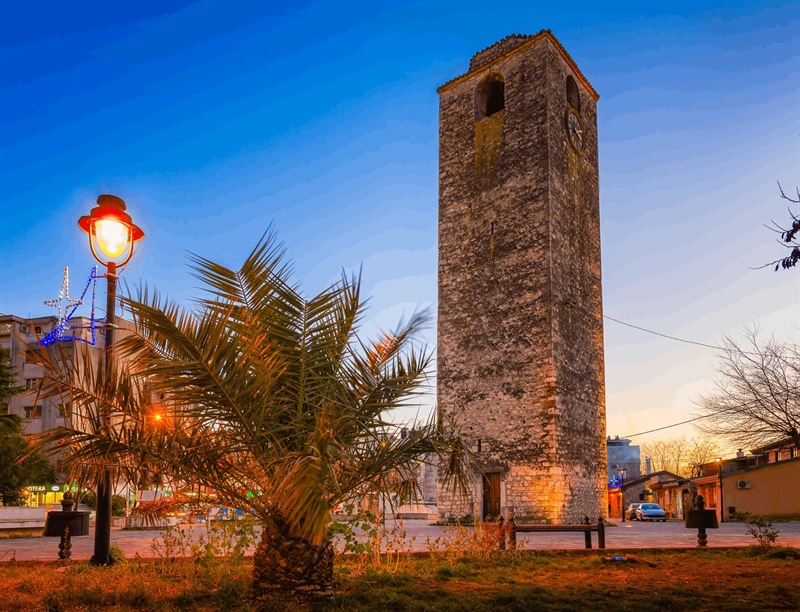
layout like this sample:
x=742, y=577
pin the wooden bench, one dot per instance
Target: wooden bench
x=586, y=529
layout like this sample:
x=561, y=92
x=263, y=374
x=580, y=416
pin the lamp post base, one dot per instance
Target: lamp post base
x=65, y=545
x=702, y=538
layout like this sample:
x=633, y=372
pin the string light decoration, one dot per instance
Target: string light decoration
x=64, y=290
x=58, y=334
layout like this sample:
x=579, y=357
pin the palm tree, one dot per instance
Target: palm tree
x=267, y=398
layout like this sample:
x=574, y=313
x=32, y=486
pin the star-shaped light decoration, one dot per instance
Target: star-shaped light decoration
x=72, y=305
x=61, y=297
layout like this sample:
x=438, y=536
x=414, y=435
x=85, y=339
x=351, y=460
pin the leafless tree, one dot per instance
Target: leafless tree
x=665, y=454
x=700, y=451
x=788, y=236
x=680, y=456
x=757, y=400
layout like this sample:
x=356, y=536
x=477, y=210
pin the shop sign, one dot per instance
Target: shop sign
x=44, y=488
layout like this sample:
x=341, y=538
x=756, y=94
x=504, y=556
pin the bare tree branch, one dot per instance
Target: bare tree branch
x=788, y=236
x=679, y=455
x=757, y=400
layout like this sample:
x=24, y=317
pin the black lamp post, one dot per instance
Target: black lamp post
x=622, y=491
x=718, y=461
x=112, y=236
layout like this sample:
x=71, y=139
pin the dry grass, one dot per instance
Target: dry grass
x=136, y=585
x=725, y=580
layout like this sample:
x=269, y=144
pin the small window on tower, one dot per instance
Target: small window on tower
x=573, y=96
x=497, y=100
x=490, y=97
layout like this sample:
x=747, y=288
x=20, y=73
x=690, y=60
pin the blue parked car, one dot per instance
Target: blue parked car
x=651, y=512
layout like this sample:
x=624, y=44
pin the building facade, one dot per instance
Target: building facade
x=520, y=333
x=21, y=338
x=623, y=456
x=767, y=481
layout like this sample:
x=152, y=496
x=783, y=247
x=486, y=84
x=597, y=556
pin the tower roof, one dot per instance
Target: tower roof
x=483, y=60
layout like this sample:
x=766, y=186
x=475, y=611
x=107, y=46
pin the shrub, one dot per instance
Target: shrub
x=117, y=505
x=760, y=528
x=229, y=539
x=117, y=554
x=89, y=498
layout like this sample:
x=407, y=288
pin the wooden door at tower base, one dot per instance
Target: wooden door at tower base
x=491, y=496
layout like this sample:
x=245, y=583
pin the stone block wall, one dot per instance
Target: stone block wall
x=520, y=336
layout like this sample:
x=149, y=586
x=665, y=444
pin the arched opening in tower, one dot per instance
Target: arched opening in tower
x=490, y=97
x=496, y=100
x=573, y=96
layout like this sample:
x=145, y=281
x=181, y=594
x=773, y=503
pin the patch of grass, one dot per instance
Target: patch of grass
x=136, y=596
x=382, y=577
x=720, y=580
x=783, y=552
x=447, y=572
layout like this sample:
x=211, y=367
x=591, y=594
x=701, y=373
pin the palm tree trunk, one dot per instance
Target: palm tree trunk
x=289, y=567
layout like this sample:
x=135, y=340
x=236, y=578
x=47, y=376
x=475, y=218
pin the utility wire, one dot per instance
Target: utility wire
x=705, y=416
x=655, y=333
x=650, y=331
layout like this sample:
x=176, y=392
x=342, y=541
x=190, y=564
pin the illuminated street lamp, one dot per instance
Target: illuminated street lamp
x=718, y=461
x=112, y=238
x=622, y=490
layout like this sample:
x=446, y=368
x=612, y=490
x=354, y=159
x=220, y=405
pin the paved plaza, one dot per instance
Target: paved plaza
x=628, y=535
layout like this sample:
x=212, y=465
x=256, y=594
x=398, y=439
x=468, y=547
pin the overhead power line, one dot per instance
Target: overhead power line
x=705, y=416
x=655, y=333
x=641, y=433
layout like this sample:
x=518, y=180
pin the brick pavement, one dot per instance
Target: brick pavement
x=671, y=534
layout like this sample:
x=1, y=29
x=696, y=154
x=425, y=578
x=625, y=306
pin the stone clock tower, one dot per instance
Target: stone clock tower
x=520, y=328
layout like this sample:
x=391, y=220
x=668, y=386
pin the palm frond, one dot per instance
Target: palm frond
x=268, y=398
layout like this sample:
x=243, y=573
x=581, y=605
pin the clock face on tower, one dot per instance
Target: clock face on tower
x=575, y=130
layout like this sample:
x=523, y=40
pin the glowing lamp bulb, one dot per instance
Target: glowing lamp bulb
x=112, y=232
x=112, y=236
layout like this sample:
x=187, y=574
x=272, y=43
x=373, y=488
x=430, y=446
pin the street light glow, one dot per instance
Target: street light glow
x=112, y=236
x=111, y=231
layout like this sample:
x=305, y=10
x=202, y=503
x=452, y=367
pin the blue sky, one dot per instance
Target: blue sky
x=215, y=119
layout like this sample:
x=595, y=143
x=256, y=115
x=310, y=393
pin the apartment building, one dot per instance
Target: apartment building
x=21, y=337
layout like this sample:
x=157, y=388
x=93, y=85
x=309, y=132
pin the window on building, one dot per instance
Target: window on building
x=490, y=97
x=3, y=408
x=573, y=95
x=31, y=383
x=33, y=412
x=496, y=101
